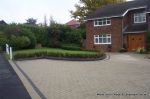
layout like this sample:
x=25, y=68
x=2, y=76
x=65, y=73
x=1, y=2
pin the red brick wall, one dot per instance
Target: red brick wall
x=115, y=29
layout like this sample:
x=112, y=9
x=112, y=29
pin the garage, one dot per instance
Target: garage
x=134, y=41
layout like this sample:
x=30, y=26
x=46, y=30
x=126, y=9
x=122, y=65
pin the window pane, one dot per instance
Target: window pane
x=100, y=40
x=140, y=17
x=109, y=40
x=96, y=40
x=108, y=21
x=100, y=23
x=104, y=40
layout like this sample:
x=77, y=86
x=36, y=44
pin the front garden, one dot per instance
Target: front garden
x=57, y=40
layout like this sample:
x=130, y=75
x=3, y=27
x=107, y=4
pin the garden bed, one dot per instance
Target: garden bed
x=56, y=53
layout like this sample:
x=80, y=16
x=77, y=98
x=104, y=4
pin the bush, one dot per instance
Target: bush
x=20, y=42
x=141, y=50
x=51, y=52
x=54, y=34
x=39, y=32
x=3, y=40
x=122, y=50
x=71, y=47
x=73, y=36
x=17, y=31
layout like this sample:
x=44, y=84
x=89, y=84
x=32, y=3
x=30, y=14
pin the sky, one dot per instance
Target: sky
x=17, y=11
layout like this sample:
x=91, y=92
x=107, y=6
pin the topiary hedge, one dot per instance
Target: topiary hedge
x=51, y=52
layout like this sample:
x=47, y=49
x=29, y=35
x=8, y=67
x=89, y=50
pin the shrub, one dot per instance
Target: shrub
x=39, y=32
x=71, y=47
x=141, y=50
x=3, y=40
x=16, y=30
x=51, y=52
x=19, y=42
x=122, y=50
x=73, y=36
x=54, y=34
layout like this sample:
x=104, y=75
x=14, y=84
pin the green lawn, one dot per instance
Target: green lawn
x=56, y=52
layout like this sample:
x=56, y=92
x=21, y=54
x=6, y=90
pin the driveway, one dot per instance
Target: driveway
x=11, y=86
x=123, y=76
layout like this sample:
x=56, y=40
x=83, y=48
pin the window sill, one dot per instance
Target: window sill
x=102, y=43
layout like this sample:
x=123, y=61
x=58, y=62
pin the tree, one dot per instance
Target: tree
x=31, y=21
x=87, y=6
x=51, y=21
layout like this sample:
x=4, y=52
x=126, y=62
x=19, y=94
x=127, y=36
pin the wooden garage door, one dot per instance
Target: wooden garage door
x=135, y=41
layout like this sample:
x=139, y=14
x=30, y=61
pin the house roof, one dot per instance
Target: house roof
x=136, y=28
x=118, y=10
x=2, y=22
x=73, y=22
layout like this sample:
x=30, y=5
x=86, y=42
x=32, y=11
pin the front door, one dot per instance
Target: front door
x=135, y=41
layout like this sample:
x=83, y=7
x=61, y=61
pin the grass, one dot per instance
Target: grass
x=56, y=52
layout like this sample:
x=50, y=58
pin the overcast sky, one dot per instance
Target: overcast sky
x=19, y=10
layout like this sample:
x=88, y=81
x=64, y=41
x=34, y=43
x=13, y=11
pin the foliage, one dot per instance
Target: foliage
x=87, y=6
x=31, y=21
x=55, y=52
x=122, y=50
x=39, y=32
x=16, y=30
x=71, y=47
x=3, y=40
x=54, y=34
x=20, y=42
x=141, y=50
x=73, y=36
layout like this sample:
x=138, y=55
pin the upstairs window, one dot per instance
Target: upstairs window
x=139, y=17
x=102, y=22
x=102, y=39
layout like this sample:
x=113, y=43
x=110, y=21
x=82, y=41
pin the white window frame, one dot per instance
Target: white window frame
x=141, y=17
x=104, y=22
x=102, y=36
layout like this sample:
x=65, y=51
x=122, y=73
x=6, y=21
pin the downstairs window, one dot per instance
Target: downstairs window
x=102, y=39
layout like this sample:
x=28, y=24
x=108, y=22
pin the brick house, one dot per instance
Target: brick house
x=118, y=26
x=73, y=24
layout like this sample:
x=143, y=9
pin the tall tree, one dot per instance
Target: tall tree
x=45, y=20
x=87, y=6
x=51, y=21
x=31, y=21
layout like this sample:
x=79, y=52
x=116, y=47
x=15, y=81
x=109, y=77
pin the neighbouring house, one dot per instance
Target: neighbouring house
x=2, y=22
x=73, y=24
x=117, y=26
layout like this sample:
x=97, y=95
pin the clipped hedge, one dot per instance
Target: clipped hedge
x=54, y=52
x=71, y=47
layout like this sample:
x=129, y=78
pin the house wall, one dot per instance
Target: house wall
x=148, y=20
x=115, y=29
